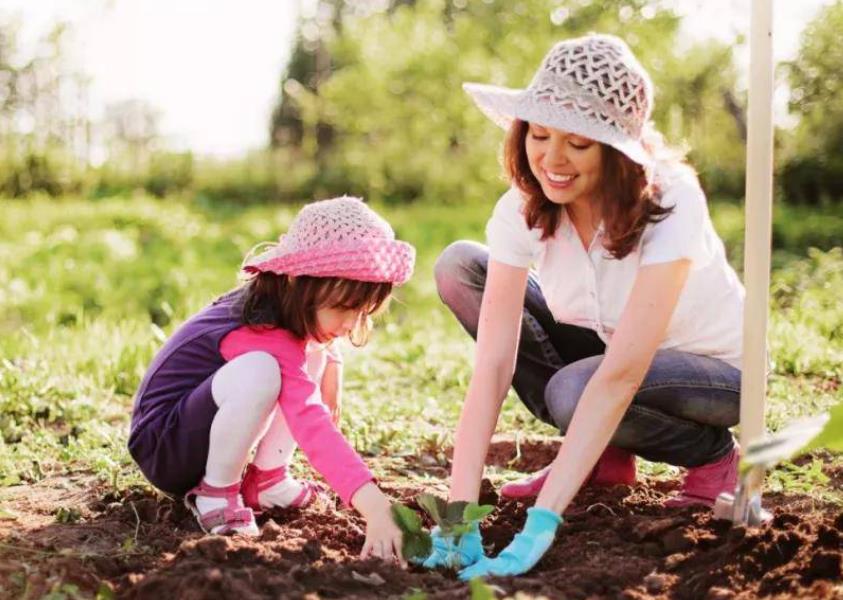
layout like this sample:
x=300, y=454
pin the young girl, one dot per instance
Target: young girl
x=629, y=331
x=248, y=371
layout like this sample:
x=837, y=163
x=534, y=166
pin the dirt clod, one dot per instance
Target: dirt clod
x=719, y=593
x=677, y=540
x=655, y=583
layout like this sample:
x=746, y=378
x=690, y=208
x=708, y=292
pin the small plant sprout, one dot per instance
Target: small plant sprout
x=416, y=543
x=453, y=518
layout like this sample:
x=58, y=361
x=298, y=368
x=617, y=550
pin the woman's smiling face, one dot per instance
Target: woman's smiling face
x=567, y=166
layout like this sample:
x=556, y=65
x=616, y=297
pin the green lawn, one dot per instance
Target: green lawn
x=89, y=290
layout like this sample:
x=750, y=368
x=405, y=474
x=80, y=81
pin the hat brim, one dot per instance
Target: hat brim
x=502, y=105
x=383, y=261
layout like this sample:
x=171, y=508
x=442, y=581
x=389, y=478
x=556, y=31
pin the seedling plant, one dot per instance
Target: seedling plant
x=454, y=519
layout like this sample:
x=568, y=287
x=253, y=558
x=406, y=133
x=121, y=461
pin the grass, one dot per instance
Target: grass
x=89, y=290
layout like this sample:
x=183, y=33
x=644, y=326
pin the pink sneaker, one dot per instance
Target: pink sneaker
x=257, y=480
x=526, y=487
x=703, y=484
x=615, y=466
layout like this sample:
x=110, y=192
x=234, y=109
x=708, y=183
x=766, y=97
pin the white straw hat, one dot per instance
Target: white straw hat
x=591, y=86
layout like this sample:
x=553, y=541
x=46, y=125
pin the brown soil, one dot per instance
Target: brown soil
x=616, y=543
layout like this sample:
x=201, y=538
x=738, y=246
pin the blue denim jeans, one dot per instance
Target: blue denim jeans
x=681, y=413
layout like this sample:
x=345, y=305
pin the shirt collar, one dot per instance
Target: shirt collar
x=567, y=228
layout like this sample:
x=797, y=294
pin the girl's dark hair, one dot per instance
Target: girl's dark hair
x=629, y=197
x=290, y=303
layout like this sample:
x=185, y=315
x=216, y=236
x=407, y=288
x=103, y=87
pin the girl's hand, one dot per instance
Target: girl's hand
x=334, y=406
x=383, y=537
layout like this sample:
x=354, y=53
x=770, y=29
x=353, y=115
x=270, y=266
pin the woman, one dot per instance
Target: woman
x=627, y=333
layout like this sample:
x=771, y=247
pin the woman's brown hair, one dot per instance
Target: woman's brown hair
x=290, y=303
x=629, y=197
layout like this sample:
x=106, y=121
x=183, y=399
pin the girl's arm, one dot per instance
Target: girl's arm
x=607, y=396
x=331, y=389
x=498, y=331
x=309, y=421
x=322, y=443
x=383, y=538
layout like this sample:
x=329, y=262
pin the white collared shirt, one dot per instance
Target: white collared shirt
x=589, y=288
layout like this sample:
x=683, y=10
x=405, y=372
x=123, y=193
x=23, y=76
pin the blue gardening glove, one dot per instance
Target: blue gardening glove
x=524, y=551
x=447, y=554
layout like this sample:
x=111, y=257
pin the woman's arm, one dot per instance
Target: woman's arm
x=498, y=331
x=608, y=394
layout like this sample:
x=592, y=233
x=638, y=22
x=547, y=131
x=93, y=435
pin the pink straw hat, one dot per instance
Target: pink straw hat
x=340, y=237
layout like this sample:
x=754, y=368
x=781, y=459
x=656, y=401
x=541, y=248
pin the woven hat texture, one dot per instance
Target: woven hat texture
x=591, y=86
x=339, y=237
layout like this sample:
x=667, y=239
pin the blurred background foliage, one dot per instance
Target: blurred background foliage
x=118, y=238
x=370, y=103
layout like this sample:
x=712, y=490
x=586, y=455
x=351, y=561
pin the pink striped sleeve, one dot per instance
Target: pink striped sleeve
x=308, y=419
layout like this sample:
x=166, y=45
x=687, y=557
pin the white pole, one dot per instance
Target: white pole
x=759, y=196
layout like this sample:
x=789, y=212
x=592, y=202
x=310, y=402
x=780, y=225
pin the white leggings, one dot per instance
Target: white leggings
x=246, y=391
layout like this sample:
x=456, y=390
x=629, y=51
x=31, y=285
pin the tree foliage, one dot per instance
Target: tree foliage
x=403, y=128
x=43, y=113
x=813, y=170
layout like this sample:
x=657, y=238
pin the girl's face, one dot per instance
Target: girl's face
x=567, y=166
x=336, y=322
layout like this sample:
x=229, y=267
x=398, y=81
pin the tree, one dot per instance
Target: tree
x=311, y=63
x=44, y=124
x=813, y=169
x=403, y=128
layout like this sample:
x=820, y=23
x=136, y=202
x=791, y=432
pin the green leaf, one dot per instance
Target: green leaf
x=454, y=512
x=831, y=436
x=475, y=512
x=417, y=545
x=406, y=518
x=67, y=515
x=105, y=592
x=434, y=506
x=460, y=529
x=783, y=444
x=480, y=590
x=416, y=541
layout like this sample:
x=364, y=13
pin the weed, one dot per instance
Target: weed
x=65, y=514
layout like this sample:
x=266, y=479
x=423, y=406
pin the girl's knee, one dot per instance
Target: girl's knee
x=253, y=377
x=264, y=370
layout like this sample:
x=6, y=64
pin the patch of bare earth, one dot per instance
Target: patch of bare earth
x=616, y=543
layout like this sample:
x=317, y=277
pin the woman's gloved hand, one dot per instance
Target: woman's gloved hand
x=447, y=554
x=524, y=551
